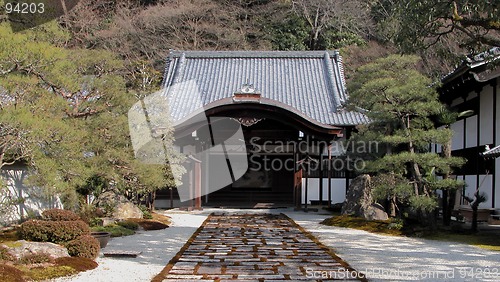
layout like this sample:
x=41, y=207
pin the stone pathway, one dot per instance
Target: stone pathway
x=256, y=247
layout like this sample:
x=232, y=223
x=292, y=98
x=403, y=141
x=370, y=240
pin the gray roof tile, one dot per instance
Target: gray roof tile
x=312, y=82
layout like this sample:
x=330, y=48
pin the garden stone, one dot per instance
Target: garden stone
x=359, y=201
x=127, y=210
x=21, y=248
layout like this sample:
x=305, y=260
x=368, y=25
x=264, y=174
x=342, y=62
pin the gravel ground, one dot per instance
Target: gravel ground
x=391, y=258
x=379, y=257
x=157, y=248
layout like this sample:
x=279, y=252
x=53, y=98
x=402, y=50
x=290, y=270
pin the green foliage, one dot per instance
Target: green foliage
x=146, y=213
x=400, y=103
x=94, y=185
x=59, y=215
x=291, y=34
x=53, y=231
x=84, y=246
x=128, y=224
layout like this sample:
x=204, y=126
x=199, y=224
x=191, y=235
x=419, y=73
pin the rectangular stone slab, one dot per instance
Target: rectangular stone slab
x=132, y=254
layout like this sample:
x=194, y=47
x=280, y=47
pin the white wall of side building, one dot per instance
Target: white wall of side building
x=488, y=111
x=29, y=200
x=338, y=190
x=486, y=116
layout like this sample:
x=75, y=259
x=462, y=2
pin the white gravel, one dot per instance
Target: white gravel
x=391, y=258
x=157, y=248
x=379, y=257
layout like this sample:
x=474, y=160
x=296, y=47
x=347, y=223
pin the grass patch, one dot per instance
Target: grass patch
x=374, y=226
x=114, y=229
x=487, y=241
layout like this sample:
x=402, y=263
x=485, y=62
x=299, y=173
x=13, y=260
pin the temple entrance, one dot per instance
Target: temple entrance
x=266, y=184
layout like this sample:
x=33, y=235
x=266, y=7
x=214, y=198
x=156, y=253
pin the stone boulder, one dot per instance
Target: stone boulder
x=359, y=201
x=121, y=207
x=22, y=248
x=127, y=210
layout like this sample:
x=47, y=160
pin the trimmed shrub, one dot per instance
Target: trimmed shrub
x=84, y=246
x=77, y=263
x=128, y=224
x=59, y=215
x=53, y=231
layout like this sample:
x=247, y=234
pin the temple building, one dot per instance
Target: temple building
x=289, y=109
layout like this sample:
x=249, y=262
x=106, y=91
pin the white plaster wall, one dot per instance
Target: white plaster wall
x=470, y=188
x=497, y=184
x=486, y=187
x=457, y=141
x=31, y=200
x=338, y=190
x=486, y=116
x=486, y=182
x=471, y=132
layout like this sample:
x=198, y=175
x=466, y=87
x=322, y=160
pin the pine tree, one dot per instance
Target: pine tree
x=400, y=103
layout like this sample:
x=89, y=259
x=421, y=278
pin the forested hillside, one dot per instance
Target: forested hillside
x=144, y=30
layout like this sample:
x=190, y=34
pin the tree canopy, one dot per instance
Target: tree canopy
x=400, y=103
x=63, y=112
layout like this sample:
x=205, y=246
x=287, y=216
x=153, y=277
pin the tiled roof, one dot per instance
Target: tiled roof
x=473, y=61
x=492, y=153
x=312, y=82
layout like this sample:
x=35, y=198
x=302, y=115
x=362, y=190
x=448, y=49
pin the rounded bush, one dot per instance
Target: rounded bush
x=59, y=215
x=84, y=246
x=53, y=231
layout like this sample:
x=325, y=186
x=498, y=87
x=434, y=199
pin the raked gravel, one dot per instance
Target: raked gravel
x=379, y=257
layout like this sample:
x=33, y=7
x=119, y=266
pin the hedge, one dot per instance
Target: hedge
x=53, y=231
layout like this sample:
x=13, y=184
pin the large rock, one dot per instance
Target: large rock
x=121, y=207
x=127, y=210
x=359, y=201
x=22, y=248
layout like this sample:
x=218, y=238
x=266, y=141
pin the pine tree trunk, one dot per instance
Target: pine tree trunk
x=447, y=206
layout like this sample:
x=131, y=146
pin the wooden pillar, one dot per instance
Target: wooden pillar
x=495, y=142
x=330, y=176
x=195, y=182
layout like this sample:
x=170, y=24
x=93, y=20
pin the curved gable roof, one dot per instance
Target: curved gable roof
x=311, y=82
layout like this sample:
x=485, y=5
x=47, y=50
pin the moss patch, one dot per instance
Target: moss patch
x=115, y=230
x=44, y=273
x=486, y=241
x=10, y=273
x=374, y=226
x=162, y=218
x=149, y=224
x=77, y=263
